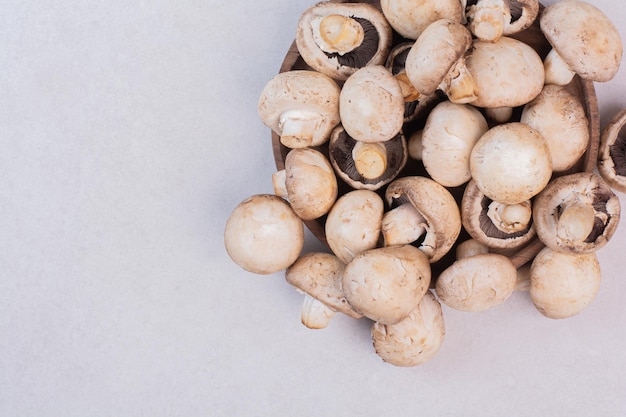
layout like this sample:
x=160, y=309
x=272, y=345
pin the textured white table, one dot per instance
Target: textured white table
x=128, y=132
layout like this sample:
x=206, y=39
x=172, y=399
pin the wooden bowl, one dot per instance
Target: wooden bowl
x=532, y=36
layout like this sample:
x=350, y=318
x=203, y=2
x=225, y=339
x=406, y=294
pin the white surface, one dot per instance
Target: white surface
x=128, y=133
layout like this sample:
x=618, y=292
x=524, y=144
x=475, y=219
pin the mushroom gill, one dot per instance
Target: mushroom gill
x=362, y=54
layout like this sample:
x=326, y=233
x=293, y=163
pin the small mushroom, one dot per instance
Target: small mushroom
x=561, y=284
x=263, y=235
x=470, y=247
x=477, y=283
x=337, y=39
x=318, y=275
x=386, y=284
x=450, y=133
x=371, y=105
x=436, y=61
x=415, y=339
x=511, y=163
x=584, y=42
x=612, y=157
x=301, y=106
x=576, y=213
x=410, y=17
x=308, y=182
x=488, y=20
x=560, y=118
x=363, y=165
x=353, y=224
x=423, y=212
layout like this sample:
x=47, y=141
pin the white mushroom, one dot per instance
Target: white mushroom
x=488, y=20
x=410, y=17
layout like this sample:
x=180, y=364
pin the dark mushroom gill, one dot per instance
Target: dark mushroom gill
x=618, y=154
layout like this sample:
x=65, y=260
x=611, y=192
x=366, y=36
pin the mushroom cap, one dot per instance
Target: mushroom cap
x=450, y=133
x=587, y=187
x=410, y=17
x=301, y=91
x=436, y=204
x=353, y=224
x=263, y=235
x=386, y=284
x=371, y=105
x=415, y=339
x=612, y=156
x=511, y=163
x=528, y=12
x=373, y=50
x=560, y=118
x=508, y=73
x=433, y=54
x=477, y=283
x=584, y=37
x=319, y=275
x=561, y=284
x=310, y=182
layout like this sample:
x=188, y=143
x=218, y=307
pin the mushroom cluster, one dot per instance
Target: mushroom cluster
x=444, y=151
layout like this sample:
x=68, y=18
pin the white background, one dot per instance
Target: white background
x=128, y=132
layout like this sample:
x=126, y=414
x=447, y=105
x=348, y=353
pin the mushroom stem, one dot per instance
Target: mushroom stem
x=488, y=18
x=522, y=283
x=403, y=225
x=370, y=159
x=315, y=314
x=416, y=145
x=575, y=222
x=338, y=34
x=298, y=127
x=278, y=181
x=499, y=114
x=459, y=85
x=510, y=218
x=409, y=92
x=556, y=70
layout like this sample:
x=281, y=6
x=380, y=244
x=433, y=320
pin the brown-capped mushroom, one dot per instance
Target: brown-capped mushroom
x=410, y=17
x=612, y=156
x=318, y=275
x=562, y=284
x=337, y=39
x=415, y=339
x=263, y=235
x=576, y=213
x=488, y=20
x=301, y=106
x=584, y=42
x=308, y=182
x=386, y=284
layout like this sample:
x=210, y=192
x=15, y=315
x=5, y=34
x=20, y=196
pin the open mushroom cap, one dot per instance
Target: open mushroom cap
x=561, y=284
x=612, y=156
x=386, y=284
x=410, y=17
x=576, y=213
x=560, y=118
x=436, y=205
x=488, y=20
x=263, y=235
x=353, y=224
x=584, y=37
x=477, y=283
x=415, y=339
x=371, y=48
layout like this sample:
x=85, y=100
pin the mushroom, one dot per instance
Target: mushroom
x=436, y=61
x=477, y=283
x=318, y=275
x=508, y=73
x=371, y=105
x=365, y=165
x=612, y=157
x=488, y=20
x=450, y=132
x=423, y=212
x=584, y=42
x=494, y=224
x=410, y=17
x=415, y=145
x=263, y=235
x=415, y=339
x=386, y=284
x=308, y=182
x=337, y=39
x=561, y=284
x=576, y=213
x=301, y=106
x=511, y=163
x=470, y=247
x=560, y=118
x=353, y=224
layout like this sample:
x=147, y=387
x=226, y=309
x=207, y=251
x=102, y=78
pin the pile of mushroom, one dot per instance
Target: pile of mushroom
x=425, y=140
